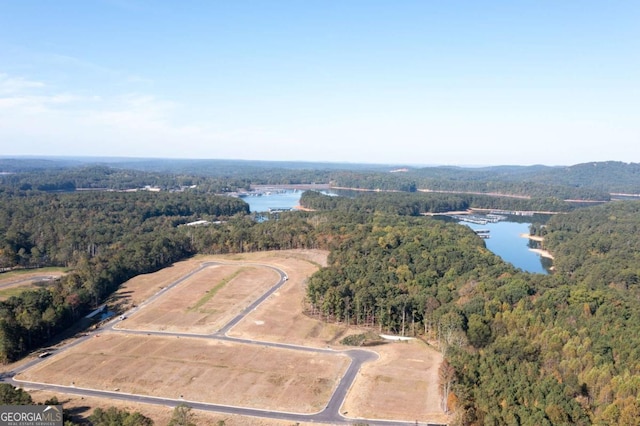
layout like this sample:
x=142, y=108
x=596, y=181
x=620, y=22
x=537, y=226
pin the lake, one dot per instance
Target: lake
x=505, y=240
x=286, y=199
x=505, y=236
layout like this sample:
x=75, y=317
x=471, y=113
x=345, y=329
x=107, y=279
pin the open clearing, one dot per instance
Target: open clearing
x=206, y=301
x=197, y=370
x=15, y=282
x=401, y=385
x=161, y=415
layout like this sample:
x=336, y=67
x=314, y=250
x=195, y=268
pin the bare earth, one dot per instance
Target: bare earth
x=197, y=370
x=402, y=384
x=84, y=406
x=206, y=301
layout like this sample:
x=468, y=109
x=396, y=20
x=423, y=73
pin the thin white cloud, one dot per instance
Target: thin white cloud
x=12, y=85
x=132, y=124
x=97, y=71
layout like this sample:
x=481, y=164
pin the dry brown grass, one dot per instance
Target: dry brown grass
x=281, y=318
x=201, y=370
x=206, y=301
x=161, y=415
x=402, y=384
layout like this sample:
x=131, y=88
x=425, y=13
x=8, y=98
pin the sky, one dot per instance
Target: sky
x=425, y=82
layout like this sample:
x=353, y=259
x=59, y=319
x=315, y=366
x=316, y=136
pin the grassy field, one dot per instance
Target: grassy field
x=15, y=282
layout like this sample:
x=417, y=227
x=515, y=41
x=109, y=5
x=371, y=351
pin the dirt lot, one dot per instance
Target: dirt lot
x=280, y=318
x=82, y=407
x=140, y=288
x=206, y=301
x=386, y=388
x=197, y=370
x=402, y=384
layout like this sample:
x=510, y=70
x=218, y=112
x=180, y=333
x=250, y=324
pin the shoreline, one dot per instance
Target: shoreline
x=532, y=237
x=542, y=253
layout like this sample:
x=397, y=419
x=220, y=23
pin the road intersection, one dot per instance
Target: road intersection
x=330, y=414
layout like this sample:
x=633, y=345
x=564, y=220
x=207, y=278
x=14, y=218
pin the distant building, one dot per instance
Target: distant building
x=198, y=223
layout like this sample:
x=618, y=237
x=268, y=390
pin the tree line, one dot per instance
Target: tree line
x=520, y=348
x=415, y=204
x=103, y=238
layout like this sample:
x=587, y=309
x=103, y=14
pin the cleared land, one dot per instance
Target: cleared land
x=281, y=318
x=402, y=384
x=206, y=301
x=15, y=282
x=84, y=406
x=197, y=370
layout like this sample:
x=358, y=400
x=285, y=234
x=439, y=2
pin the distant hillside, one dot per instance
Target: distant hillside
x=589, y=181
x=204, y=167
x=608, y=176
x=611, y=176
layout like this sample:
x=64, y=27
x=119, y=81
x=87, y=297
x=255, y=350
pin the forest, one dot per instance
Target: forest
x=520, y=348
x=587, y=181
x=103, y=238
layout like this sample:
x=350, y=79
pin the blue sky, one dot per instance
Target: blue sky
x=402, y=82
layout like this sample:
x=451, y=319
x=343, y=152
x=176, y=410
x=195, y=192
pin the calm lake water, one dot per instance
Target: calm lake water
x=280, y=199
x=505, y=240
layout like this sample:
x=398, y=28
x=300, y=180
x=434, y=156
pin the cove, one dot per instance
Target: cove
x=505, y=237
x=281, y=199
x=505, y=240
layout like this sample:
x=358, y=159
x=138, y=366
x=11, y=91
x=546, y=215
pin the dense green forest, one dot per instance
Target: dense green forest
x=520, y=348
x=415, y=204
x=105, y=238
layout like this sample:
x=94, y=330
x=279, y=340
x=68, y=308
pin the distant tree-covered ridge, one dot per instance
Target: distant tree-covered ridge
x=589, y=181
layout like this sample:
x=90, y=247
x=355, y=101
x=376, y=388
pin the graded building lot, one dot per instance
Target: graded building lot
x=82, y=407
x=401, y=385
x=140, y=288
x=201, y=370
x=206, y=301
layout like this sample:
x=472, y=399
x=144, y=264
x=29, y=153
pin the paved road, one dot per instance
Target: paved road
x=330, y=414
x=29, y=280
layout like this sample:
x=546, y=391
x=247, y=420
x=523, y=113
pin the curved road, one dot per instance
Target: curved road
x=330, y=414
x=28, y=280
